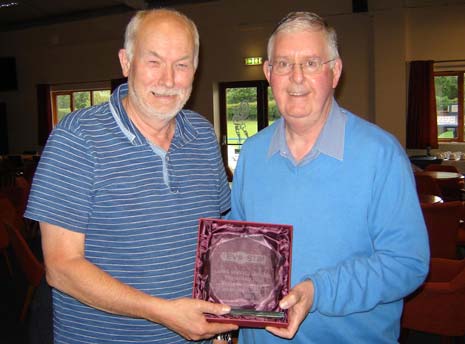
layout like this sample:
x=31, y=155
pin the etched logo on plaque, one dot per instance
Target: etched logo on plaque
x=243, y=272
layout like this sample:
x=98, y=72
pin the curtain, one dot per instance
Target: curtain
x=44, y=111
x=422, y=127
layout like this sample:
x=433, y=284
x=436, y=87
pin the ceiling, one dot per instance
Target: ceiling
x=19, y=14
x=28, y=13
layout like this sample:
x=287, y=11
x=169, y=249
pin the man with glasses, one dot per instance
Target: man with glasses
x=360, y=244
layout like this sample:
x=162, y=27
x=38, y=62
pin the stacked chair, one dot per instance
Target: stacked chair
x=427, y=185
x=443, y=221
x=24, y=268
x=438, y=305
x=4, y=248
x=30, y=268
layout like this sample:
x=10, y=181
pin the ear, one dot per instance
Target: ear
x=124, y=62
x=337, y=71
x=266, y=70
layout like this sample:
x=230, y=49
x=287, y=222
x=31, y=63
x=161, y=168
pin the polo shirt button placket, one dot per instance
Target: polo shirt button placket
x=173, y=188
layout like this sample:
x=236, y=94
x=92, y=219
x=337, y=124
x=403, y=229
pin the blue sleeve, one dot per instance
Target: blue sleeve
x=61, y=189
x=400, y=258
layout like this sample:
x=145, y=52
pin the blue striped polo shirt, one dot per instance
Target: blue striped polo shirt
x=138, y=207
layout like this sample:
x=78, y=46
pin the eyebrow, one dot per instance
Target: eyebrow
x=155, y=54
x=290, y=57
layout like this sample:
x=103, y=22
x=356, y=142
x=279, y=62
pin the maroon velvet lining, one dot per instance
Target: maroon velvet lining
x=257, y=257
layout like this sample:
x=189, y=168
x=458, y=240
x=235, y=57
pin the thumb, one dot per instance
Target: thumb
x=288, y=301
x=216, y=308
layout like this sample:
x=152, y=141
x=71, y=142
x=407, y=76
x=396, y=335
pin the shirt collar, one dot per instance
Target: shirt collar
x=329, y=142
x=184, y=132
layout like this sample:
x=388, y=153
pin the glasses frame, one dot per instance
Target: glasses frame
x=304, y=71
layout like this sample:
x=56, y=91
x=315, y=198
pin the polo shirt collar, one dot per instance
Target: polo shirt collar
x=183, y=134
x=329, y=142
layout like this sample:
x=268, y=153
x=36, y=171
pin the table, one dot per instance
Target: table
x=441, y=175
x=429, y=199
x=450, y=183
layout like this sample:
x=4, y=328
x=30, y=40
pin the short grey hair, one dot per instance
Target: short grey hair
x=305, y=21
x=134, y=23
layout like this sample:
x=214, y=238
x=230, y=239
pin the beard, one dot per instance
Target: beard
x=182, y=95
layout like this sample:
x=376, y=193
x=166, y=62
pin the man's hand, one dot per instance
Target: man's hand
x=69, y=271
x=298, y=302
x=186, y=317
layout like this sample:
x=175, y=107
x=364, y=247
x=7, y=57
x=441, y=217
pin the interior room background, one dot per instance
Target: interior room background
x=375, y=44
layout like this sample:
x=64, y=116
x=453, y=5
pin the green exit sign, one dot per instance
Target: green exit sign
x=253, y=61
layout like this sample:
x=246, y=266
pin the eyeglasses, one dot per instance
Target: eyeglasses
x=311, y=66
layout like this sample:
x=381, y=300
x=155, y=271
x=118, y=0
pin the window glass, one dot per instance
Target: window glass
x=446, y=88
x=63, y=106
x=273, y=112
x=241, y=107
x=81, y=100
x=241, y=112
x=101, y=96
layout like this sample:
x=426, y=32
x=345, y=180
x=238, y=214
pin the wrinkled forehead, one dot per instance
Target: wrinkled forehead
x=300, y=42
x=163, y=23
x=170, y=34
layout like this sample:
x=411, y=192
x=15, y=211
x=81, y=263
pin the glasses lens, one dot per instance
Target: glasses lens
x=311, y=66
x=282, y=67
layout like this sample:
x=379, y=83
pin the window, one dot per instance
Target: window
x=449, y=88
x=245, y=108
x=64, y=102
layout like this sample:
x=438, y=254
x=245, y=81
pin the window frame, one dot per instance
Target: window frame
x=55, y=94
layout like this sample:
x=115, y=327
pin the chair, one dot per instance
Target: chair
x=427, y=185
x=13, y=203
x=4, y=245
x=461, y=241
x=32, y=270
x=442, y=222
x=19, y=193
x=438, y=306
x=9, y=214
x=461, y=233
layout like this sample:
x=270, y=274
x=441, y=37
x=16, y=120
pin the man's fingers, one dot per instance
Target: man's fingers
x=214, y=308
x=223, y=328
x=280, y=332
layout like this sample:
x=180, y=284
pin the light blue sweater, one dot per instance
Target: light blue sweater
x=359, y=234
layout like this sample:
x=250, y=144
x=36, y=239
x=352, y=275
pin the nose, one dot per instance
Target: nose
x=297, y=72
x=167, y=76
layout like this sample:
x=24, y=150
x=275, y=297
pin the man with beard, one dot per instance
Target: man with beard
x=118, y=194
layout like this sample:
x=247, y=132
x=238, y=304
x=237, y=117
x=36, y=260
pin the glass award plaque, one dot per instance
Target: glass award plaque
x=245, y=265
